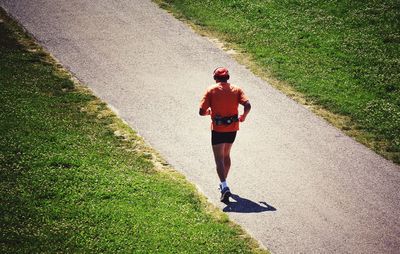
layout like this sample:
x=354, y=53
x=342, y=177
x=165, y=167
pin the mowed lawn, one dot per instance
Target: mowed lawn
x=343, y=56
x=75, y=178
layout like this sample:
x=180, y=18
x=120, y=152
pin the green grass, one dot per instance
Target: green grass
x=341, y=55
x=74, y=178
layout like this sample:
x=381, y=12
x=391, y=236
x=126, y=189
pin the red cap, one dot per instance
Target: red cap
x=221, y=72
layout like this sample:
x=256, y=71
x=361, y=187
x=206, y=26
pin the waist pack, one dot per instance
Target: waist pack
x=218, y=120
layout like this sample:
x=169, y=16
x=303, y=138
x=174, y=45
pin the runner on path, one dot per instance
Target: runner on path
x=221, y=101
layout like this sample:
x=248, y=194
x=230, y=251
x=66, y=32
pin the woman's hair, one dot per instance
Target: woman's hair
x=221, y=79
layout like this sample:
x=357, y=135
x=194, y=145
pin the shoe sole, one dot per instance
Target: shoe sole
x=225, y=196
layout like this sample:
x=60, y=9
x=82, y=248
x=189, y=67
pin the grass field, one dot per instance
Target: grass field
x=75, y=178
x=343, y=56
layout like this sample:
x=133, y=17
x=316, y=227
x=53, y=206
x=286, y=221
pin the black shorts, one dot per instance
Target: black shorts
x=222, y=137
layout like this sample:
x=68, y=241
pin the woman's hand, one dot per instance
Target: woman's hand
x=205, y=113
x=247, y=107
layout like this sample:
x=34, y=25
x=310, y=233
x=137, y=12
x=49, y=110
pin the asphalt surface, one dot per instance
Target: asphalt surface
x=301, y=185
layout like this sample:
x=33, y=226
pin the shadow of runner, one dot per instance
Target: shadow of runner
x=242, y=205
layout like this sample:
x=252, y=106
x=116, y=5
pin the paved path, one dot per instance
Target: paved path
x=321, y=191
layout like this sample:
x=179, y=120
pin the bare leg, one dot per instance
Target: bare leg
x=222, y=159
x=223, y=162
x=227, y=159
x=219, y=160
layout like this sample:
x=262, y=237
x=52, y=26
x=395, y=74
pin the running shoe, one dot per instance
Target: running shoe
x=225, y=194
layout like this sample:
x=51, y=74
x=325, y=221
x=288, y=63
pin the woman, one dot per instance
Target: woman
x=221, y=101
